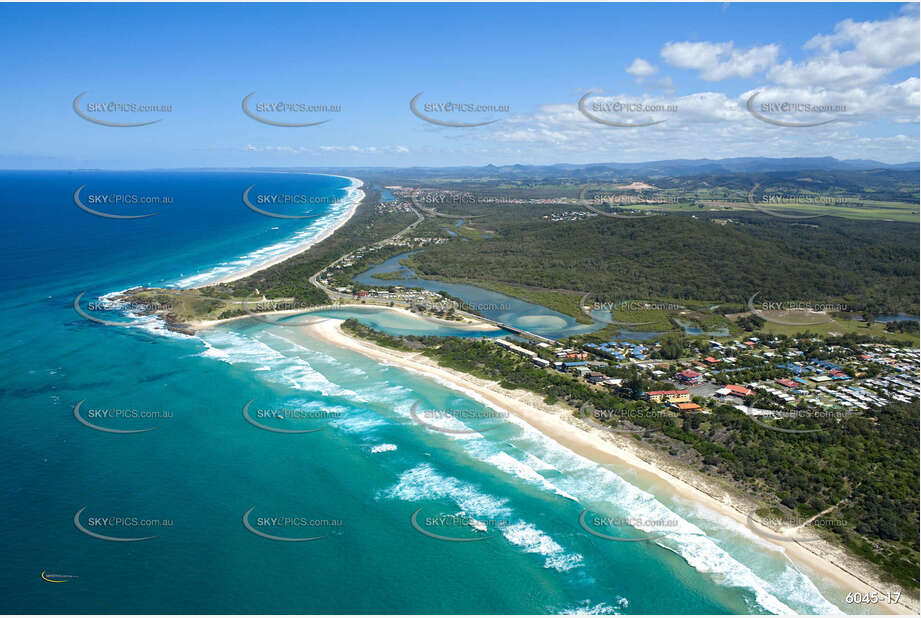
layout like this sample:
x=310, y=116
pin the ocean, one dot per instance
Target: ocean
x=364, y=510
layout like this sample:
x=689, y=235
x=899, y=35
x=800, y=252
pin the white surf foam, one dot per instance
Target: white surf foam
x=423, y=482
x=315, y=229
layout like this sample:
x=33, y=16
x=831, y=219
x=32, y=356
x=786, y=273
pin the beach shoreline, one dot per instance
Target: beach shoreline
x=559, y=424
x=469, y=325
x=354, y=200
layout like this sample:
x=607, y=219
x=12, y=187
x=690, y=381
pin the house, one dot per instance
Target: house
x=511, y=347
x=786, y=382
x=689, y=376
x=712, y=361
x=686, y=407
x=738, y=391
x=595, y=377
x=668, y=396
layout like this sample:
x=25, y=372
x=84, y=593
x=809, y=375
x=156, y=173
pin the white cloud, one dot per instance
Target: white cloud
x=856, y=54
x=640, y=68
x=719, y=61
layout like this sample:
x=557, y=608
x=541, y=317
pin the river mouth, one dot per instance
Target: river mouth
x=492, y=305
x=500, y=307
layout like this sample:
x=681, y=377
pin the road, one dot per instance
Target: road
x=338, y=297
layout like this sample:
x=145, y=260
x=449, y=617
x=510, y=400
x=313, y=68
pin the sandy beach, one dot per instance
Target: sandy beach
x=817, y=559
x=467, y=325
x=354, y=201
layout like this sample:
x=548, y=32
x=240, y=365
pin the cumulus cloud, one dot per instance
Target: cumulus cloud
x=719, y=61
x=640, y=68
x=855, y=54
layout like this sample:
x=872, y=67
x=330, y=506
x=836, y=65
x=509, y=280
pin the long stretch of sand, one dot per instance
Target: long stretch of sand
x=300, y=247
x=599, y=446
x=471, y=324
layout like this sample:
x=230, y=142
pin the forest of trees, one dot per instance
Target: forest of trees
x=873, y=268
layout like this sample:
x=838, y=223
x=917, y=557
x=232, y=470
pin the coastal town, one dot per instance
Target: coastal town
x=780, y=377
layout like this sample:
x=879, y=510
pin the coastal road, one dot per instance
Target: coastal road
x=314, y=280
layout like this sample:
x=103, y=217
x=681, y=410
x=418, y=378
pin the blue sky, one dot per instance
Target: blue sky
x=706, y=60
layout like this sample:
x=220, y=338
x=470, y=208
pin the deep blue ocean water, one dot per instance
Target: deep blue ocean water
x=355, y=482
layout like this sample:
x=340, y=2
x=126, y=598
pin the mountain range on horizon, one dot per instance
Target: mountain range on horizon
x=677, y=167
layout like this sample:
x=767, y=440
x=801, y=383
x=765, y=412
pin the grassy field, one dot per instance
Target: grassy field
x=561, y=301
x=465, y=231
x=393, y=275
x=877, y=329
x=652, y=320
x=868, y=211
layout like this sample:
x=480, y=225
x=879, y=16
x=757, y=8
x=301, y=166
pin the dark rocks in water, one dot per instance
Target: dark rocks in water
x=185, y=329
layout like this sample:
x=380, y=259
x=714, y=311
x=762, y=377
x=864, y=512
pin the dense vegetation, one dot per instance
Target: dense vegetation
x=872, y=268
x=865, y=468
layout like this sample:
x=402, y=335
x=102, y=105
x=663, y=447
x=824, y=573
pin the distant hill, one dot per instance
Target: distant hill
x=672, y=167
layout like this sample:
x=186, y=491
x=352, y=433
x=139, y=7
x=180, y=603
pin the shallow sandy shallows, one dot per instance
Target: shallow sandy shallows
x=821, y=561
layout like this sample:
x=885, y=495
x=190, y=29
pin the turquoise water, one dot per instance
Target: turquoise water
x=493, y=305
x=357, y=480
x=398, y=323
